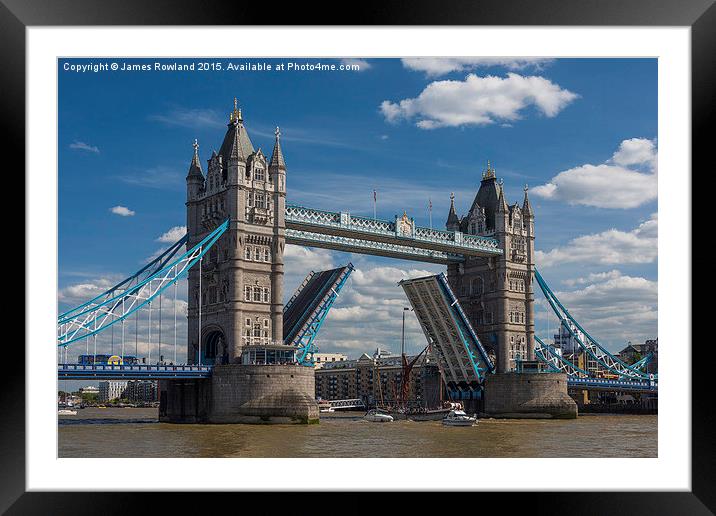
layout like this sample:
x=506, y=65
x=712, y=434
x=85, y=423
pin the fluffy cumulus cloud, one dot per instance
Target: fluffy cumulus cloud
x=434, y=66
x=172, y=235
x=610, y=247
x=82, y=146
x=614, y=308
x=479, y=101
x=627, y=180
x=122, y=211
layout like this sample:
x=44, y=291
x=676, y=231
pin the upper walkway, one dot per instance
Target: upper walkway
x=400, y=238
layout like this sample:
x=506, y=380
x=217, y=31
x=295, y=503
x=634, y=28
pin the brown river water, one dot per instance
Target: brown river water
x=134, y=432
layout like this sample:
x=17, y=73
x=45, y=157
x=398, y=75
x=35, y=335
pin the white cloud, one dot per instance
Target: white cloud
x=434, y=66
x=77, y=145
x=636, y=151
x=595, y=276
x=362, y=64
x=607, y=248
x=172, y=235
x=191, y=118
x=81, y=292
x=161, y=177
x=616, y=308
x=479, y=101
x=122, y=211
x=621, y=182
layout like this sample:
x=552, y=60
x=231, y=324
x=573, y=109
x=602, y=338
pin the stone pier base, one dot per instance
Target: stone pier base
x=536, y=395
x=262, y=394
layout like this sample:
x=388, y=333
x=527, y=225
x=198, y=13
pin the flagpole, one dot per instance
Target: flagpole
x=430, y=212
x=375, y=200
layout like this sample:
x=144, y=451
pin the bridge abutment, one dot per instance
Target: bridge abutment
x=528, y=395
x=257, y=394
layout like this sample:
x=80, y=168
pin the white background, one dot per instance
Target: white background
x=671, y=470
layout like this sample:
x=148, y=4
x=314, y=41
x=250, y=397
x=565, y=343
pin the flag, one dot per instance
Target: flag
x=375, y=196
x=430, y=204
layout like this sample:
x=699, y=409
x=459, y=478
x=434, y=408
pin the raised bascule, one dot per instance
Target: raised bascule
x=247, y=353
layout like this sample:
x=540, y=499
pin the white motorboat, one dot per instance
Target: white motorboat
x=66, y=412
x=377, y=416
x=327, y=409
x=459, y=418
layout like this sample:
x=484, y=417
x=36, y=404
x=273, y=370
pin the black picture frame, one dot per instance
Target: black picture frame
x=17, y=15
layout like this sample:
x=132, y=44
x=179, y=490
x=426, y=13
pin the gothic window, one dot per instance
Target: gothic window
x=247, y=294
x=248, y=322
x=257, y=295
x=267, y=255
x=259, y=174
x=257, y=254
x=250, y=199
x=266, y=295
x=247, y=253
x=266, y=323
x=476, y=287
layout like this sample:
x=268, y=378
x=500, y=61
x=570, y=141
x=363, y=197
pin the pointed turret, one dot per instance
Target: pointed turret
x=501, y=202
x=237, y=144
x=195, y=165
x=526, y=206
x=453, y=222
x=277, y=160
x=195, y=177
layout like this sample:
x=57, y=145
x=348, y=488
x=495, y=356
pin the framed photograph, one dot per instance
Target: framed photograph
x=431, y=244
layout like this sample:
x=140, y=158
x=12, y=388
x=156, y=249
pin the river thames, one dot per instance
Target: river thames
x=133, y=432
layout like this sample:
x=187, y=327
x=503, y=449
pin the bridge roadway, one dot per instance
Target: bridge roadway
x=131, y=372
x=400, y=238
x=164, y=372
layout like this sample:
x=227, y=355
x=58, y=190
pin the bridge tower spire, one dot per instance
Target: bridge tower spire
x=497, y=292
x=242, y=275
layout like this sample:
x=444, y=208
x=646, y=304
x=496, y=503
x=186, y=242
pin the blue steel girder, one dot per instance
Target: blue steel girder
x=307, y=334
x=557, y=363
x=94, y=317
x=148, y=270
x=401, y=232
x=589, y=344
x=459, y=352
x=349, y=244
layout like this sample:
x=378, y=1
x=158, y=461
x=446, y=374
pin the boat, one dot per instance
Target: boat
x=459, y=418
x=326, y=409
x=66, y=412
x=378, y=416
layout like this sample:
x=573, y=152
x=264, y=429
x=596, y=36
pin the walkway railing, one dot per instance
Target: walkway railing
x=131, y=371
x=401, y=231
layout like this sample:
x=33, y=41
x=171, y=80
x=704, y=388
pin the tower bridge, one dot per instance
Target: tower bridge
x=246, y=351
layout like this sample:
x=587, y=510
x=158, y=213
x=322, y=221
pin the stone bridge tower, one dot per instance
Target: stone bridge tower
x=497, y=292
x=241, y=294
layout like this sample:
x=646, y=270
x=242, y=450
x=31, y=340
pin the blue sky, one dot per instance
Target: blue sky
x=580, y=132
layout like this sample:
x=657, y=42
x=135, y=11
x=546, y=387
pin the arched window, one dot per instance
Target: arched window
x=247, y=253
x=247, y=293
